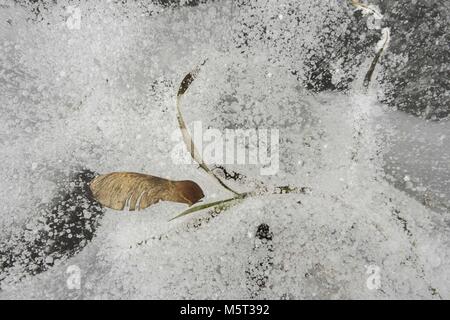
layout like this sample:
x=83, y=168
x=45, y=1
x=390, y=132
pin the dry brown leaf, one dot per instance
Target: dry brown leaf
x=135, y=191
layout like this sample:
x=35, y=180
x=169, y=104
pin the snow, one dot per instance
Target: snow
x=102, y=96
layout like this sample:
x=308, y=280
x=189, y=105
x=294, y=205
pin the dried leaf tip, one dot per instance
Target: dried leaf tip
x=188, y=79
x=188, y=192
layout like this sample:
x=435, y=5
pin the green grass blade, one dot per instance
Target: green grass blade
x=205, y=206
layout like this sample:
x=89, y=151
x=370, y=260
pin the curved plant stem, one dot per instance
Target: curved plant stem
x=369, y=73
x=357, y=4
x=217, y=204
x=226, y=203
x=385, y=34
x=187, y=80
x=211, y=204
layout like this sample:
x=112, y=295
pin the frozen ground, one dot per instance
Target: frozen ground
x=103, y=97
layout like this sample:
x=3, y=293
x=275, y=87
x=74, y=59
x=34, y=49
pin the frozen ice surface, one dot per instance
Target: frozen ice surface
x=102, y=96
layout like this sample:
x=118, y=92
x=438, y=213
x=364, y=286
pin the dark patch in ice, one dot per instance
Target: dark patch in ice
x=229, y=175
x=260, y=262
x=349, y=47
x=62, y=230
x=419, y=32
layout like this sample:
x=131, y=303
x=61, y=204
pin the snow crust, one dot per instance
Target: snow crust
x=103, y=97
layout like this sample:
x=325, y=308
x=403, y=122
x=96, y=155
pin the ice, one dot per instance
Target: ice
x=102, y=95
